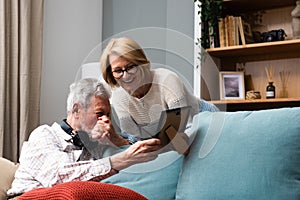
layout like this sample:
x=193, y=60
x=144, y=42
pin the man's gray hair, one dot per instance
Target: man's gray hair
x=82, y=91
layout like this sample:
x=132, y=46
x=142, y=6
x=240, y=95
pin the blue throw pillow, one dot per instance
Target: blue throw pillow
x=156, y=180
x=243, y=155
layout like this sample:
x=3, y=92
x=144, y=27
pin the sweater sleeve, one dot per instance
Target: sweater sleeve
x=173, y=90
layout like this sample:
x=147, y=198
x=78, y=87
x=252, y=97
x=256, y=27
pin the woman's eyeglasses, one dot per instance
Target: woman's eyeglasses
x=120, y=72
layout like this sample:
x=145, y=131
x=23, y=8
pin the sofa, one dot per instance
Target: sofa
x=234, y=155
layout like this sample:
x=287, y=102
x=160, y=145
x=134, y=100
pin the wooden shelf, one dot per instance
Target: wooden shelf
x=278, y=47
x=277, y=16
x=256, y=52
x=250, y=5
x=256, y=104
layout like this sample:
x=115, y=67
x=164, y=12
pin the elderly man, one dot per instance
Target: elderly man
x=65, y=151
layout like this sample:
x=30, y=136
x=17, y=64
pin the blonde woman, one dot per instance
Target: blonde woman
x=140, y=93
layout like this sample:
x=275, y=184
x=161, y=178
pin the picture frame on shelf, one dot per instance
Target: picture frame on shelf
x=232, y=85
x=248, y=33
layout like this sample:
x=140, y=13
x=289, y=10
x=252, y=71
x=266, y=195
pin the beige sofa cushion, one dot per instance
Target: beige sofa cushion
x=7, y=172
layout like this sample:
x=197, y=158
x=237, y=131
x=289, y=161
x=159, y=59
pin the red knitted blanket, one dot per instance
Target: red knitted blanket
x=86, y=190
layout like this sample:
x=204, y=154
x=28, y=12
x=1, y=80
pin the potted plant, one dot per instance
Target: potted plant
x=210, y=12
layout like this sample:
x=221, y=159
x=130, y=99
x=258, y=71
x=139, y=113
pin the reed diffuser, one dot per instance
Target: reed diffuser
x=284, y=77
x=270, y=90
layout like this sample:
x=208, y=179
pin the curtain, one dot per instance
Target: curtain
x=21, y=25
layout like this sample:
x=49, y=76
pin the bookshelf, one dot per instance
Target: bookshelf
x=248, y=5
x=283, y=55
x=256, y=104
x=256, y=52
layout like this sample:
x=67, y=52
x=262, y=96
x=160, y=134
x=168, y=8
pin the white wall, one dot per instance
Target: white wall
x=164, y=28
x=72, y=28
x=180, y=41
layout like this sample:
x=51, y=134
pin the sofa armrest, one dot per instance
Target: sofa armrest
x=7, y=172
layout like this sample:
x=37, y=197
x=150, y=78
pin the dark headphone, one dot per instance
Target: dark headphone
x=68, y=129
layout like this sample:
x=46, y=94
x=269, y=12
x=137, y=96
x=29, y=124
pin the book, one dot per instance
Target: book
x=226, y=24
x=241, y=30
x=236, y=31
x=222, y=38
x=232, y=31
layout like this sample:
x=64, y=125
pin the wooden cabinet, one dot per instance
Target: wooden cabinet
x=283, y=56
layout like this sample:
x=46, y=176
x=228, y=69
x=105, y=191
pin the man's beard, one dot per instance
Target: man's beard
x=86, y=129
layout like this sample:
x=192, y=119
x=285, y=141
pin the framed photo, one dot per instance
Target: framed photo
x=248, y=33
x=232, y=85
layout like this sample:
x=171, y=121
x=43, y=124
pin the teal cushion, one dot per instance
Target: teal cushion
x=155, y=180
x=243, y=155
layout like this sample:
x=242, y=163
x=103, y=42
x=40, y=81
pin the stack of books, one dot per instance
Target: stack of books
x=231, y=31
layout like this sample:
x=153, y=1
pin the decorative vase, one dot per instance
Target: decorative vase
x=270, y=93
x=296, y=20
x=284, y=92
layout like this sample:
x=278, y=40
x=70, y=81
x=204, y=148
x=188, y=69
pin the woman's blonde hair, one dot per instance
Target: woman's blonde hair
x=125, y=47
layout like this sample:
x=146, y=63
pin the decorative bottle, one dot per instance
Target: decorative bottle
x=296, y=20
x=270, y=93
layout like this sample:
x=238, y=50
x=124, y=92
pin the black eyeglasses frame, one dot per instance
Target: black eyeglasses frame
x=120, y=72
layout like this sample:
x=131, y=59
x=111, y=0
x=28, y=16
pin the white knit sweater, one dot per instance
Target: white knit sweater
x=140, y=117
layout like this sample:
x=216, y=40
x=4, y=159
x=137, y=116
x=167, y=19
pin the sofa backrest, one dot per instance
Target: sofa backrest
x=243, y=155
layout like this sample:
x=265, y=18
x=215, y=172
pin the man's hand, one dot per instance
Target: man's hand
x=101, y=131
x=141, y=151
